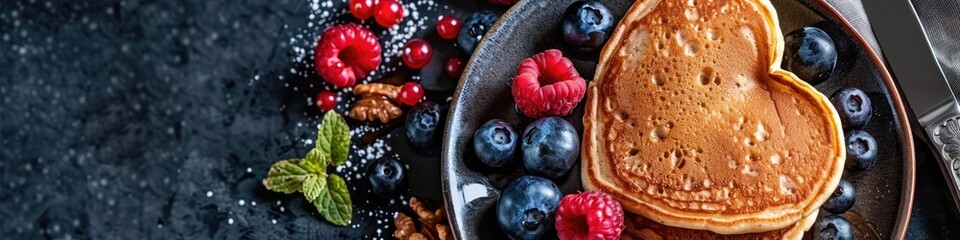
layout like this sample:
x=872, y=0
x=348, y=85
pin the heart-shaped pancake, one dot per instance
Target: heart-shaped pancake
x=690, y=121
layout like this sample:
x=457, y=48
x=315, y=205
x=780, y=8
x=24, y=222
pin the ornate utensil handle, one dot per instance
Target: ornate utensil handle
x=943, y=128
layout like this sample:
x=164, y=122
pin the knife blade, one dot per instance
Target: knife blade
x=926, y=89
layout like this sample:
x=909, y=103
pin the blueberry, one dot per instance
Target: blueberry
x=527, y=206
x=387, y=177
x=550, y=147
x=474, y=29
x=833, y=227
x=861, y=150
x=422, y=126
x=854, y=107
x=810, y=54
x=842, y=198
x=495, y=143
x=587, y=24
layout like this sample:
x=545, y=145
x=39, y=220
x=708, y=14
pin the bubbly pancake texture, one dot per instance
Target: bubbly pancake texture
x=640, y=228
x=691, y=123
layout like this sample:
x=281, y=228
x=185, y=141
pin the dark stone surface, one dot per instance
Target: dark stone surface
x=125, y=119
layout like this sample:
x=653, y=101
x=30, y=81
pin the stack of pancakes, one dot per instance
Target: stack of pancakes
x=693, y=127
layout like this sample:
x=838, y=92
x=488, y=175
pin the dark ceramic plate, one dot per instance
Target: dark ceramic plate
x=471, y=190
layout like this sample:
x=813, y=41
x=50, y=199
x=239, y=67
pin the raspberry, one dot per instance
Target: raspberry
x=589, y=215
x=547, y=85
x=346, y=53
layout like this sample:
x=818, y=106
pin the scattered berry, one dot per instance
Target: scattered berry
x=504, y=2
x=589, y=215
x=473, y=30
x=410, y=93
x=423, y=124
x=810, y=54
x=454, y=67
x=833, y=227
x=587, y=24
x=861, y=150
x=346, y=53
x=362, y=9
x=388, y=13
x=842, y=199
x=417, y=53
x=495, y=143
x=448, y=27
x=526, y=207
x=550, y=147
x=547, y=85
x=326, y=100
x=854, y=107
x=387, y=177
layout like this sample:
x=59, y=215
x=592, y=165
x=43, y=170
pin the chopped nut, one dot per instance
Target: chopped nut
x=443, y=232
x=375, y=89
x=427, y=216
x=416, y=236
x=405, y=227
x=428, y=231
x=375, y=108
x=437, y=231
x=433, y=224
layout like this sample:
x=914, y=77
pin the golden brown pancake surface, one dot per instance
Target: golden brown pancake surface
x=691, y=123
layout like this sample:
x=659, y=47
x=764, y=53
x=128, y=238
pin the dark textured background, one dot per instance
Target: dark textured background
x=118, y=117
x=158, y=119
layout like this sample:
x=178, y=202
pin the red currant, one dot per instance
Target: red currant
x=454, y=67
x=448, y=27
x=410, y=94
x=326, y=100
x=417, y=53
x=388, y=13
x=362, y=9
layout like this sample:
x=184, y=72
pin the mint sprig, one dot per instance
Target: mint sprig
x=328, y=192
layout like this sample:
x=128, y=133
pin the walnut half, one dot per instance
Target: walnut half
x=427, y=216
x=376, y=103
x=374, y=89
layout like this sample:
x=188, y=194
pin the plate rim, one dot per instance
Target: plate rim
x=908, y=148
x=909, y=157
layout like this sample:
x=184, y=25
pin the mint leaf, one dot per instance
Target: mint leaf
x=316, y=161
x=328, y=193
x=334, y=202
x=313, y=185
x=333, y=138
x=286, y=176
